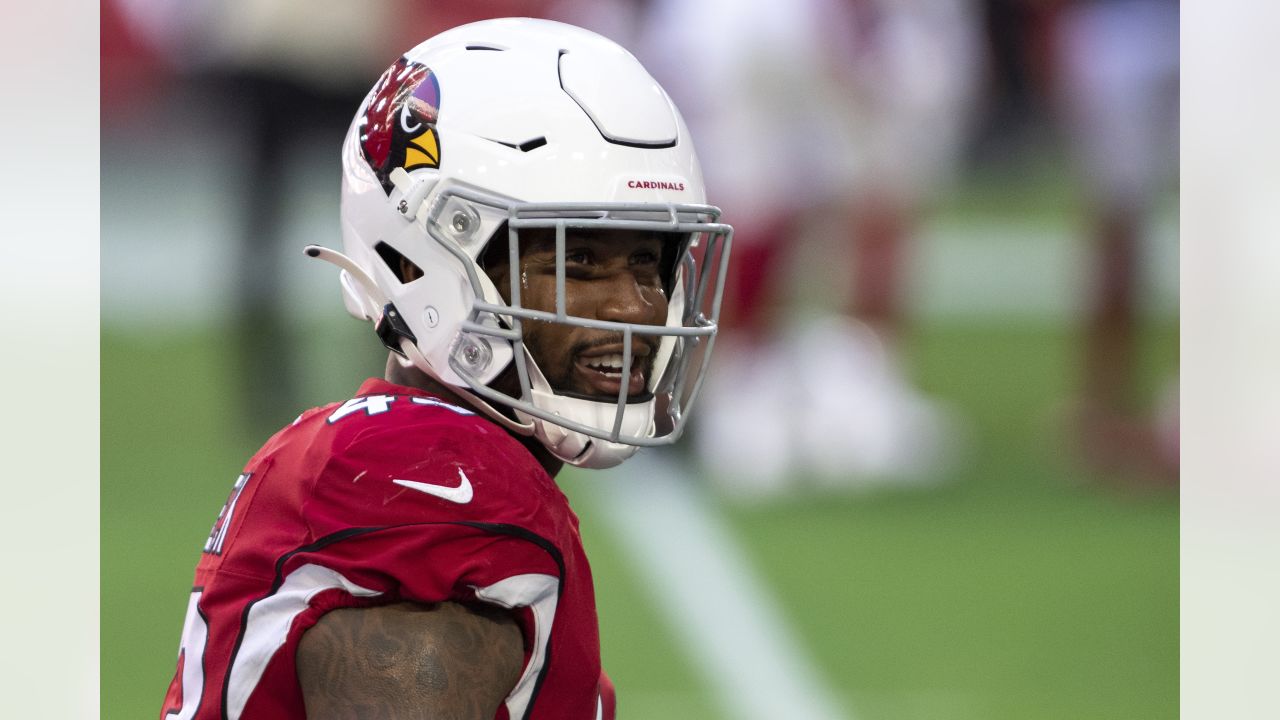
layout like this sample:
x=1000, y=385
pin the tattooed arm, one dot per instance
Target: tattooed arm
x=410, y=661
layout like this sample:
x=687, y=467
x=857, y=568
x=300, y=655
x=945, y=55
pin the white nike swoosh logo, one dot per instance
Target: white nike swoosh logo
x=460, y=494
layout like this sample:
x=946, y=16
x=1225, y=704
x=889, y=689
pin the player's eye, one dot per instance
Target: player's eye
x=577, y=256
x=644, y=257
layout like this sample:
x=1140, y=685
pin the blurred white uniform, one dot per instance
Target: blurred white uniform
x=1119, y=94
x=796, y=106
x=912, y=69
x=799, y=102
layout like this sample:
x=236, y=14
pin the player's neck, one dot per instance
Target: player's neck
x=415, y=378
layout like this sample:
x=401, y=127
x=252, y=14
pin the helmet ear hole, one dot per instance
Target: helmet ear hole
x=405, y=270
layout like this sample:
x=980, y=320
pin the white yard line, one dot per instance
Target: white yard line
x=730, y=626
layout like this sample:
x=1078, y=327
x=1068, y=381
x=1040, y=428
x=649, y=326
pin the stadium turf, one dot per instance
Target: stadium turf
x=1022, y=589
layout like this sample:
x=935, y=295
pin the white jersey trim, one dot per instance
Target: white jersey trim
x=267, y=627
x=539, y=593
x=195, y=634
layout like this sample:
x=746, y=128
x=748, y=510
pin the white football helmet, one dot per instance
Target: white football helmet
x=502, y=125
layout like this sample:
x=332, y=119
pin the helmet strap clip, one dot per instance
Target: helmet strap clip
x=411, y=193
x=392, y=328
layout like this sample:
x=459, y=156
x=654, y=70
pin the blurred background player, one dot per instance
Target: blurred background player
x=1116, y=95
x=290, y=87
x=286, y=87
x=829, y=124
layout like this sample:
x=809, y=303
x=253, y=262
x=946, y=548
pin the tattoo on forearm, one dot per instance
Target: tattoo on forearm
x=404, y=661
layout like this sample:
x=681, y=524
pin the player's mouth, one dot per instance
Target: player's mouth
x=601, y=369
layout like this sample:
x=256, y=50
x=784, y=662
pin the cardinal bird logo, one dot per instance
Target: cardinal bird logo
x=398, y=128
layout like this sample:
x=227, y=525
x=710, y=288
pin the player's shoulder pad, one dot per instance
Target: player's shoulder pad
x=396, y=458
x=377, y=407
x=332, y=427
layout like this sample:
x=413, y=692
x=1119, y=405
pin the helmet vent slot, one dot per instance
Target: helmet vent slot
x=485, y=47
x=402, y=267
x=533, y=144
x=526, y=146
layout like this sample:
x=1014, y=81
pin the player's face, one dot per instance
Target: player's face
x=613, y=275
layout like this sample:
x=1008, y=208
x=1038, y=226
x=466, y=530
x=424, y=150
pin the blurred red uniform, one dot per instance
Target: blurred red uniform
x=392, y=496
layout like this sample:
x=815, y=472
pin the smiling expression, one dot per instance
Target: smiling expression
x=614, y=275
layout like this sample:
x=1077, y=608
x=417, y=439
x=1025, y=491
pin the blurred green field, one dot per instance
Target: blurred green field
x=1022, y=590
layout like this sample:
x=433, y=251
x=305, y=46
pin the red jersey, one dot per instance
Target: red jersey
x=395, y=495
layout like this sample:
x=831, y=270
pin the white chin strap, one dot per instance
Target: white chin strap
x=364, y=294
x=571, y=446
x=577, y=448
x=413, y=357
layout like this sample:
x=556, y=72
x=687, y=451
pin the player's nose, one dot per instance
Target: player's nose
x=623, y=298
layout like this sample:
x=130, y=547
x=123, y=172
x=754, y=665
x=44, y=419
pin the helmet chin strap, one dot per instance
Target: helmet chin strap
x=409, y=355
x=413, y=357
x=571, y=446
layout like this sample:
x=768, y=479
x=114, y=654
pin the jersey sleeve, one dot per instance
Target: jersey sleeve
x=480, y=531
x=385, y=498
x=416, y=562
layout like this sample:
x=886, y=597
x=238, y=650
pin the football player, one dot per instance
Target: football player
x=524, y=222
x=1116, y=93
x=833, y=124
